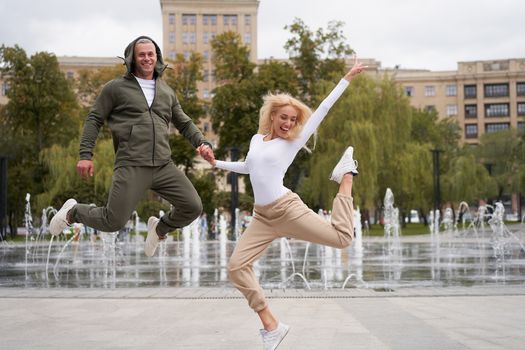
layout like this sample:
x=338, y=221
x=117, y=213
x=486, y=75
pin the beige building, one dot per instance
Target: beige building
x=190, y=25
x=484, y=96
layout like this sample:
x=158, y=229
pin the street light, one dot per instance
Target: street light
x=234, y=182
x=3, y=197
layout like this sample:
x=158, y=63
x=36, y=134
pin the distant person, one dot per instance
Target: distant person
x=285, y=125
x=138, y=108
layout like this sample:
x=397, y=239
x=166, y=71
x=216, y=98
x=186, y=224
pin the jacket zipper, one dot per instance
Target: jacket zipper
x=150, y=115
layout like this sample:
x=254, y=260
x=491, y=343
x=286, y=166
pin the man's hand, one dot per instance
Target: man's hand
x=207, y=153
x=85, y=168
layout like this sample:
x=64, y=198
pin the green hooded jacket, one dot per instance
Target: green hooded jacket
x=140, y=133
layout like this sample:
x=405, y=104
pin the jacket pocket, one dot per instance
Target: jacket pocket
x=141, y=140
x=162, y=141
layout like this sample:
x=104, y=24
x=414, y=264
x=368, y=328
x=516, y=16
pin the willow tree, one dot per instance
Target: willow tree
x=62, y=181
x=500, y=153
x=376, y=118
x=468, y=180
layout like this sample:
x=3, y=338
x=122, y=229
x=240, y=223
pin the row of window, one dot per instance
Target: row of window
x=471, y=130
x=491, y=110
x=191, y=19
x=470, y=91
x=494, y=110
x=172, y=55
x=191, y=37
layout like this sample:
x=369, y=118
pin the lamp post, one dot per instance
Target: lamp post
x=234, y=182
x=3, y=197
x=437, y=190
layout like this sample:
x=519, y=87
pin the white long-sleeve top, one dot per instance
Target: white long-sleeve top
x=268, y=161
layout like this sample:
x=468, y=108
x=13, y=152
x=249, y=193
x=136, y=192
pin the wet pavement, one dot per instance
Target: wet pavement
x=487, y=317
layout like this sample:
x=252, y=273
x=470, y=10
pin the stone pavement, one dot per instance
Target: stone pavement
x=212, y=318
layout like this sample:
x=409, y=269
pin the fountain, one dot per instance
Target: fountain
x=479, y=251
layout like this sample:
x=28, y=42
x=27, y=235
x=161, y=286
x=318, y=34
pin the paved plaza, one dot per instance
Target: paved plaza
x=491, y=317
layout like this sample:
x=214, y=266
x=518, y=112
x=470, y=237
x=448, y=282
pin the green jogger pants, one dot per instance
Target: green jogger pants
x=129, y=184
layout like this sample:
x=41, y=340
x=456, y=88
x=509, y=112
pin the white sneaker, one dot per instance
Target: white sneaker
x=272, y=339
x=346, y=165
x=59, y=221
x=152, y=240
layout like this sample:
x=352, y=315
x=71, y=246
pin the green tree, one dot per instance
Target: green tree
x=235, y=106
x=467, y=180
x=316, y=55
x=182, y=78
x=231, y=58
x=89, y=82
x=42, y=111
x=41, y=99
x=500, y=152
x=62, y=181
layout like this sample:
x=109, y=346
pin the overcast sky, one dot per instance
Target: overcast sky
x=431, y=34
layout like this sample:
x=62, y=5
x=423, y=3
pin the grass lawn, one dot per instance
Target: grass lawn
x=408, y=230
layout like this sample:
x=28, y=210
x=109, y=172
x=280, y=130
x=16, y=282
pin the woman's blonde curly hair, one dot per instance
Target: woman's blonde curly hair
x=272, y=102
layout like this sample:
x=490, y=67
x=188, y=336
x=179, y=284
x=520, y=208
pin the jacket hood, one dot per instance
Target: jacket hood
x=128, y=57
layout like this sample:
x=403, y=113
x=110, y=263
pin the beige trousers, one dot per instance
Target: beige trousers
x=289, y=217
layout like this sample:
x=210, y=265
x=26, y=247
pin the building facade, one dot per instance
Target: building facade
x=484, y=96
x=190, y=25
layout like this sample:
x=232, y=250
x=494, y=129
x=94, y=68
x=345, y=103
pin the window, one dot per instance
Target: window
x=206, y=93
x=206, y=75
x=230, y=20
x=171, y=18
x=247, y=20
x=171, y=37
x=187, y=55
x=206, y=54
x=496, y=110
x=70, y=75
x=521, y=108
x=471, y=131
x=209, y=19
x=520, y=89
x=471, y=111
x=409, y=91
x=452, y=110
x=193, y=37
x=189, y=19
x=496, y=90
x=5, y=88
x=430, y=109
x=172, y=55
x=452, y=90
x=470, y=91
x=206, y=127
x=430, y=90
x=495, y=127
x=205, y=37
x=248, y=38
x=185, y=37
x=521, y=126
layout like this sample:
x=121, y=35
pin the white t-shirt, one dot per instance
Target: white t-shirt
x=268, y=161
x=148, y=88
